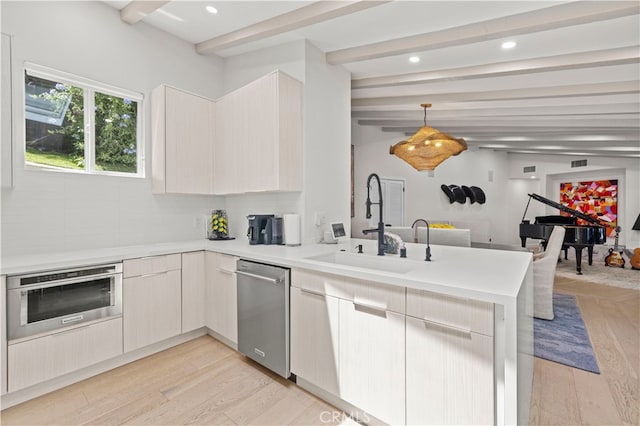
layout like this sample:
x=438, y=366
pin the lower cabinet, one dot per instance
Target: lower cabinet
x=431, y=363
x=315, y=347
x=449, y=375
x=372, y=361
x=152, y=303
x=193, y=284
x=34, y=361
x=221, y=295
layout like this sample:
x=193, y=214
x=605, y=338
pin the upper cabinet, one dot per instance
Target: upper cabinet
x=229, y=162
x=183, y=136
x=274, y=133
x=248, y=141
x=259, y=139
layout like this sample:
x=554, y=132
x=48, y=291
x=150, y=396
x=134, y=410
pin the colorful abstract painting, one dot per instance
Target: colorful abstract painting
x=596, y=198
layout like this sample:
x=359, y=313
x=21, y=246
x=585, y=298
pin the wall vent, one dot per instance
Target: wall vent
x=529, y=169
x=579, y=163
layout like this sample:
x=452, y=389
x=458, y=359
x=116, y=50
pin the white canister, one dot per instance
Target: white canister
x=291, y=226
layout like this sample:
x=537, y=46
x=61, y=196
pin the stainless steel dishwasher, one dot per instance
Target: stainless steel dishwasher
x=263, y=314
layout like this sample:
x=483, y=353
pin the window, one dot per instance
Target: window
x=72, y=123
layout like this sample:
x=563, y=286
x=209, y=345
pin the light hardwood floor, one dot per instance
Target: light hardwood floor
x=205, y=382
x=199, y=382
x=568, y=396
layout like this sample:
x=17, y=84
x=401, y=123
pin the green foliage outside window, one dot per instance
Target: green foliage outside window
x=63, y=145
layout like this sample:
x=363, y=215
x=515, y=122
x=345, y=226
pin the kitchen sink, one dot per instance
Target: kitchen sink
x=379, y=263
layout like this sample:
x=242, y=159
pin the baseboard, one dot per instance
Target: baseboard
x=22, y=395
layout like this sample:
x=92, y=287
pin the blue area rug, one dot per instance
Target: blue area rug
x=564, y=339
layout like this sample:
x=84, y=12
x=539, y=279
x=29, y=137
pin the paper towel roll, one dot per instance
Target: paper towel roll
x=291, y=229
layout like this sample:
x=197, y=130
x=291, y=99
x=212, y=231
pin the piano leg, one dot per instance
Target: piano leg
x=590, y=253
x=579, y=259
x=524, y=241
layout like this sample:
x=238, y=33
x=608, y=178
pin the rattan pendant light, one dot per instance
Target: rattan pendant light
x=428, y=147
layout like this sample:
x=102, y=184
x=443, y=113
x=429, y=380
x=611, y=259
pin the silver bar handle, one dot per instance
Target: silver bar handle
x=315, y=293
x=447, y=326
x=259, y=277
x=225, y=271
x=85, y=278
x=155, y=274
x=376, y=310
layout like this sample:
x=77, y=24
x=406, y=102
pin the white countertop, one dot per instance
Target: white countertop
x=483, y=274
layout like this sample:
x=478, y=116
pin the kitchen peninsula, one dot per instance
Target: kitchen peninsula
x=462, y=295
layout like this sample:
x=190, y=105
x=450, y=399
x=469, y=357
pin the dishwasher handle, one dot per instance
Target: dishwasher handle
x=260, y=277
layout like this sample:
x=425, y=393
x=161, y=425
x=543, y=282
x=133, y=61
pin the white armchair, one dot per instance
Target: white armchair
x=544, y=269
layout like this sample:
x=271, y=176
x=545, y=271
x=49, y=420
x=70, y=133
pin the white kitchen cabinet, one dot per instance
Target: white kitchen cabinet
x=221, y=295
x=315, y=345
x=3, y=335
x=183, y=136
x=229, y=161
x=258, y=146
x=372, y=361
x=274, y=144
x=193, y=291
x=36, y=360
x=449, y=375
x=151, y=302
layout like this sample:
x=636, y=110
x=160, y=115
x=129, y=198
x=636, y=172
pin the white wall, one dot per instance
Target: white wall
x=325, y=99
x=62, y=211
x=424, y=198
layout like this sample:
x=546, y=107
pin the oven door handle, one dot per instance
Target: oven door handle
x=65, y=282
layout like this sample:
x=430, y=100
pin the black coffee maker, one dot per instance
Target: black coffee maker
x=257, y=231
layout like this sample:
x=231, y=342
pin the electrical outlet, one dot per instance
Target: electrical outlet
x=319, y=218
x=198, y=222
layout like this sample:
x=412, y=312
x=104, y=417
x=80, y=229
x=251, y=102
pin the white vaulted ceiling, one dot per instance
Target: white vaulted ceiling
x=570, y=86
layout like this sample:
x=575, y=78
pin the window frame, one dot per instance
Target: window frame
x=89, y=88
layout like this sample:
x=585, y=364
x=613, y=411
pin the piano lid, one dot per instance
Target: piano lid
x=566, y=209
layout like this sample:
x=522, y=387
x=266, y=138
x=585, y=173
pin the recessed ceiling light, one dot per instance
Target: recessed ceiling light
x=211, y=9
x=508, y=44
x=414, y=59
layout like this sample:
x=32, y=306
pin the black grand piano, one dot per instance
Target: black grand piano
x=576, y=236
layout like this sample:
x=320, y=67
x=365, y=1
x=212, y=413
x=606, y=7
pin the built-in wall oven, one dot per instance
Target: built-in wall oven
x=46, y=301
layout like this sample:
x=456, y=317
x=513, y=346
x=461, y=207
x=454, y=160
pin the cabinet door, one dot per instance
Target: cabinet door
x=372, y=361
x=151, y=308
x=262, y=143
x=34, y=361
x=189, y=126
x=314, y=338
x=449, y=375
x=193, y=292
x=229, y=168
x=222, y=295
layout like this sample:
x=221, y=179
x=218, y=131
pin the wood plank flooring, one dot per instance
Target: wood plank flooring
x=568, y=396
x=199, y=382
x=204, y=382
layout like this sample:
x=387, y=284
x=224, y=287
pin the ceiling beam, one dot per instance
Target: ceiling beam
x=417, y=114
x=138, y=9
x=594, y=89
x=314, y=13
x=563, y=15
x=609, y=57
x=524, y=130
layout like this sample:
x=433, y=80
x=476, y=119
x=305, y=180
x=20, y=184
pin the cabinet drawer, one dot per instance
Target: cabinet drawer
x=454, y=312
x=225, y=263
x=150, y=265
x=364, y=293
x=332, y=285
x=37, y=360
